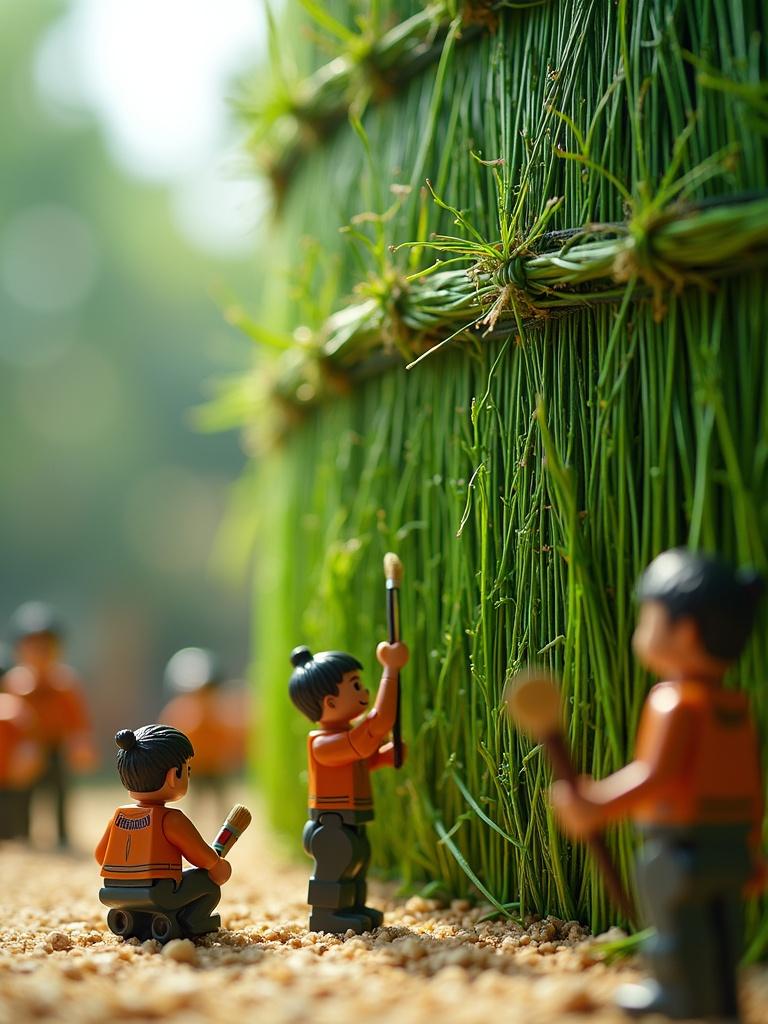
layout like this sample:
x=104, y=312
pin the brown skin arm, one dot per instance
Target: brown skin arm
x=101, y=846
x=334, y=750
x=180, y=831
x=666, y=733
x=364, y=740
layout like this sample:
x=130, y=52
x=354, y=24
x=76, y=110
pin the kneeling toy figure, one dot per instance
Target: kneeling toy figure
x=140, y=852
x=327, y=688
x=694, y=787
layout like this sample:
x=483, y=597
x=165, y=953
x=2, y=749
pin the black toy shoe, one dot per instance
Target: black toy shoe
x=636, y=1000
x=641, y=998
x=198, y=925
x=375, y=916
x=337, y=922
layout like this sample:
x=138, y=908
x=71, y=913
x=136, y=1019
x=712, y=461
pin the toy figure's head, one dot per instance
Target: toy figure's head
x=696, y=614
x=191, y=669
x=326, y=687
x=154, y=762
x=36, y=634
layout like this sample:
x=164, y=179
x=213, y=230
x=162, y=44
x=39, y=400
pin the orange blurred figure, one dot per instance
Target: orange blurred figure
x=52, y=693
x=214, y=717
x=21, y=760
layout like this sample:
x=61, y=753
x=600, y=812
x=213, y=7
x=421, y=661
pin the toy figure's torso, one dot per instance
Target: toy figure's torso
x=57, y=702
x=713, y=748
x=138, y=848
x=17, y=726
x=344, y=787
x=210, y=721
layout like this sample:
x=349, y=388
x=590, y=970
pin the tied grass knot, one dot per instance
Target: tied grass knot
x=512, y=281
x=512, y=273
x=638, y=259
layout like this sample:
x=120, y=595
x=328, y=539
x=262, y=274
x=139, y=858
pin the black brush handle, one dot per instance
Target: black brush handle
x=393, y=631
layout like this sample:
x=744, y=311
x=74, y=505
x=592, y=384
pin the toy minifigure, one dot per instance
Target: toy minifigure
x=141, y=849
x=214, y=719
x=54, y=695
x=21, y=762
x=327, y=688
x=694, y=788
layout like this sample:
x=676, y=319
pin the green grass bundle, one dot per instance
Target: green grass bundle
x=582, y=286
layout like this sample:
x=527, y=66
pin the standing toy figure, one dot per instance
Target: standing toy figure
x=54, y=695
x=694, y=788
x=327, y=688
x=141, y=849
x=20, y=759
x=213, y=718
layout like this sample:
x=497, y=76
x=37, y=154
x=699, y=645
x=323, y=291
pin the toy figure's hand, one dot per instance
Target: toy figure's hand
x=577, y=814
x=392, y=656
x=221, y=871
x=386, y=754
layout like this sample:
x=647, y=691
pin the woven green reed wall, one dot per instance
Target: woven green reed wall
x=527, y=476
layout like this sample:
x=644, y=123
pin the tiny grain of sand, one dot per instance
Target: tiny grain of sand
x=58, y=961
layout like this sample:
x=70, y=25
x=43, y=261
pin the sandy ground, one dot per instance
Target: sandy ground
x=58, y=961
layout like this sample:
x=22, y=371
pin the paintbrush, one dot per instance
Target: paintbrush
x=535, y=706
x=393, y=575
x=236, y=822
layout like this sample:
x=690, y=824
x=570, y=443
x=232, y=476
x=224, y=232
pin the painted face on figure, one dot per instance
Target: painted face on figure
x=39, y=651
x=351, y=700
x=671, y=648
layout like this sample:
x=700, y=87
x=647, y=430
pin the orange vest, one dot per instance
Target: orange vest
x=719, y=781
x=57, y=702
x=137, y=846
x=344, y=787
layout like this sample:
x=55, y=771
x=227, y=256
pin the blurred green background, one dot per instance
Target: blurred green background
x=124, y=225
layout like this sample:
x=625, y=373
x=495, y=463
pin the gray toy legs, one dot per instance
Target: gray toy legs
x=54, y=783
x=14, y=813
x=161, y=909
x=337, y=888
x=691, y=882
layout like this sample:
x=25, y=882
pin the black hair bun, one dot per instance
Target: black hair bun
x=125, y=739
x=300, y=656
x=752, y=583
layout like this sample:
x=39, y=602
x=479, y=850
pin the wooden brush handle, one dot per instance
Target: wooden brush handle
x=559, y=757
x=563, y=770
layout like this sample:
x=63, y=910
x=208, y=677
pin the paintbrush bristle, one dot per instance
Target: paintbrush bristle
x=393, y=568
x=239, y=818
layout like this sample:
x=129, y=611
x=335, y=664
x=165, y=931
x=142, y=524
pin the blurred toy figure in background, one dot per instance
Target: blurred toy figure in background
x=54, y=697
x=141, y=850
x=21, y=760
x=694, y=788
x=213, y=716
x=327, y=688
